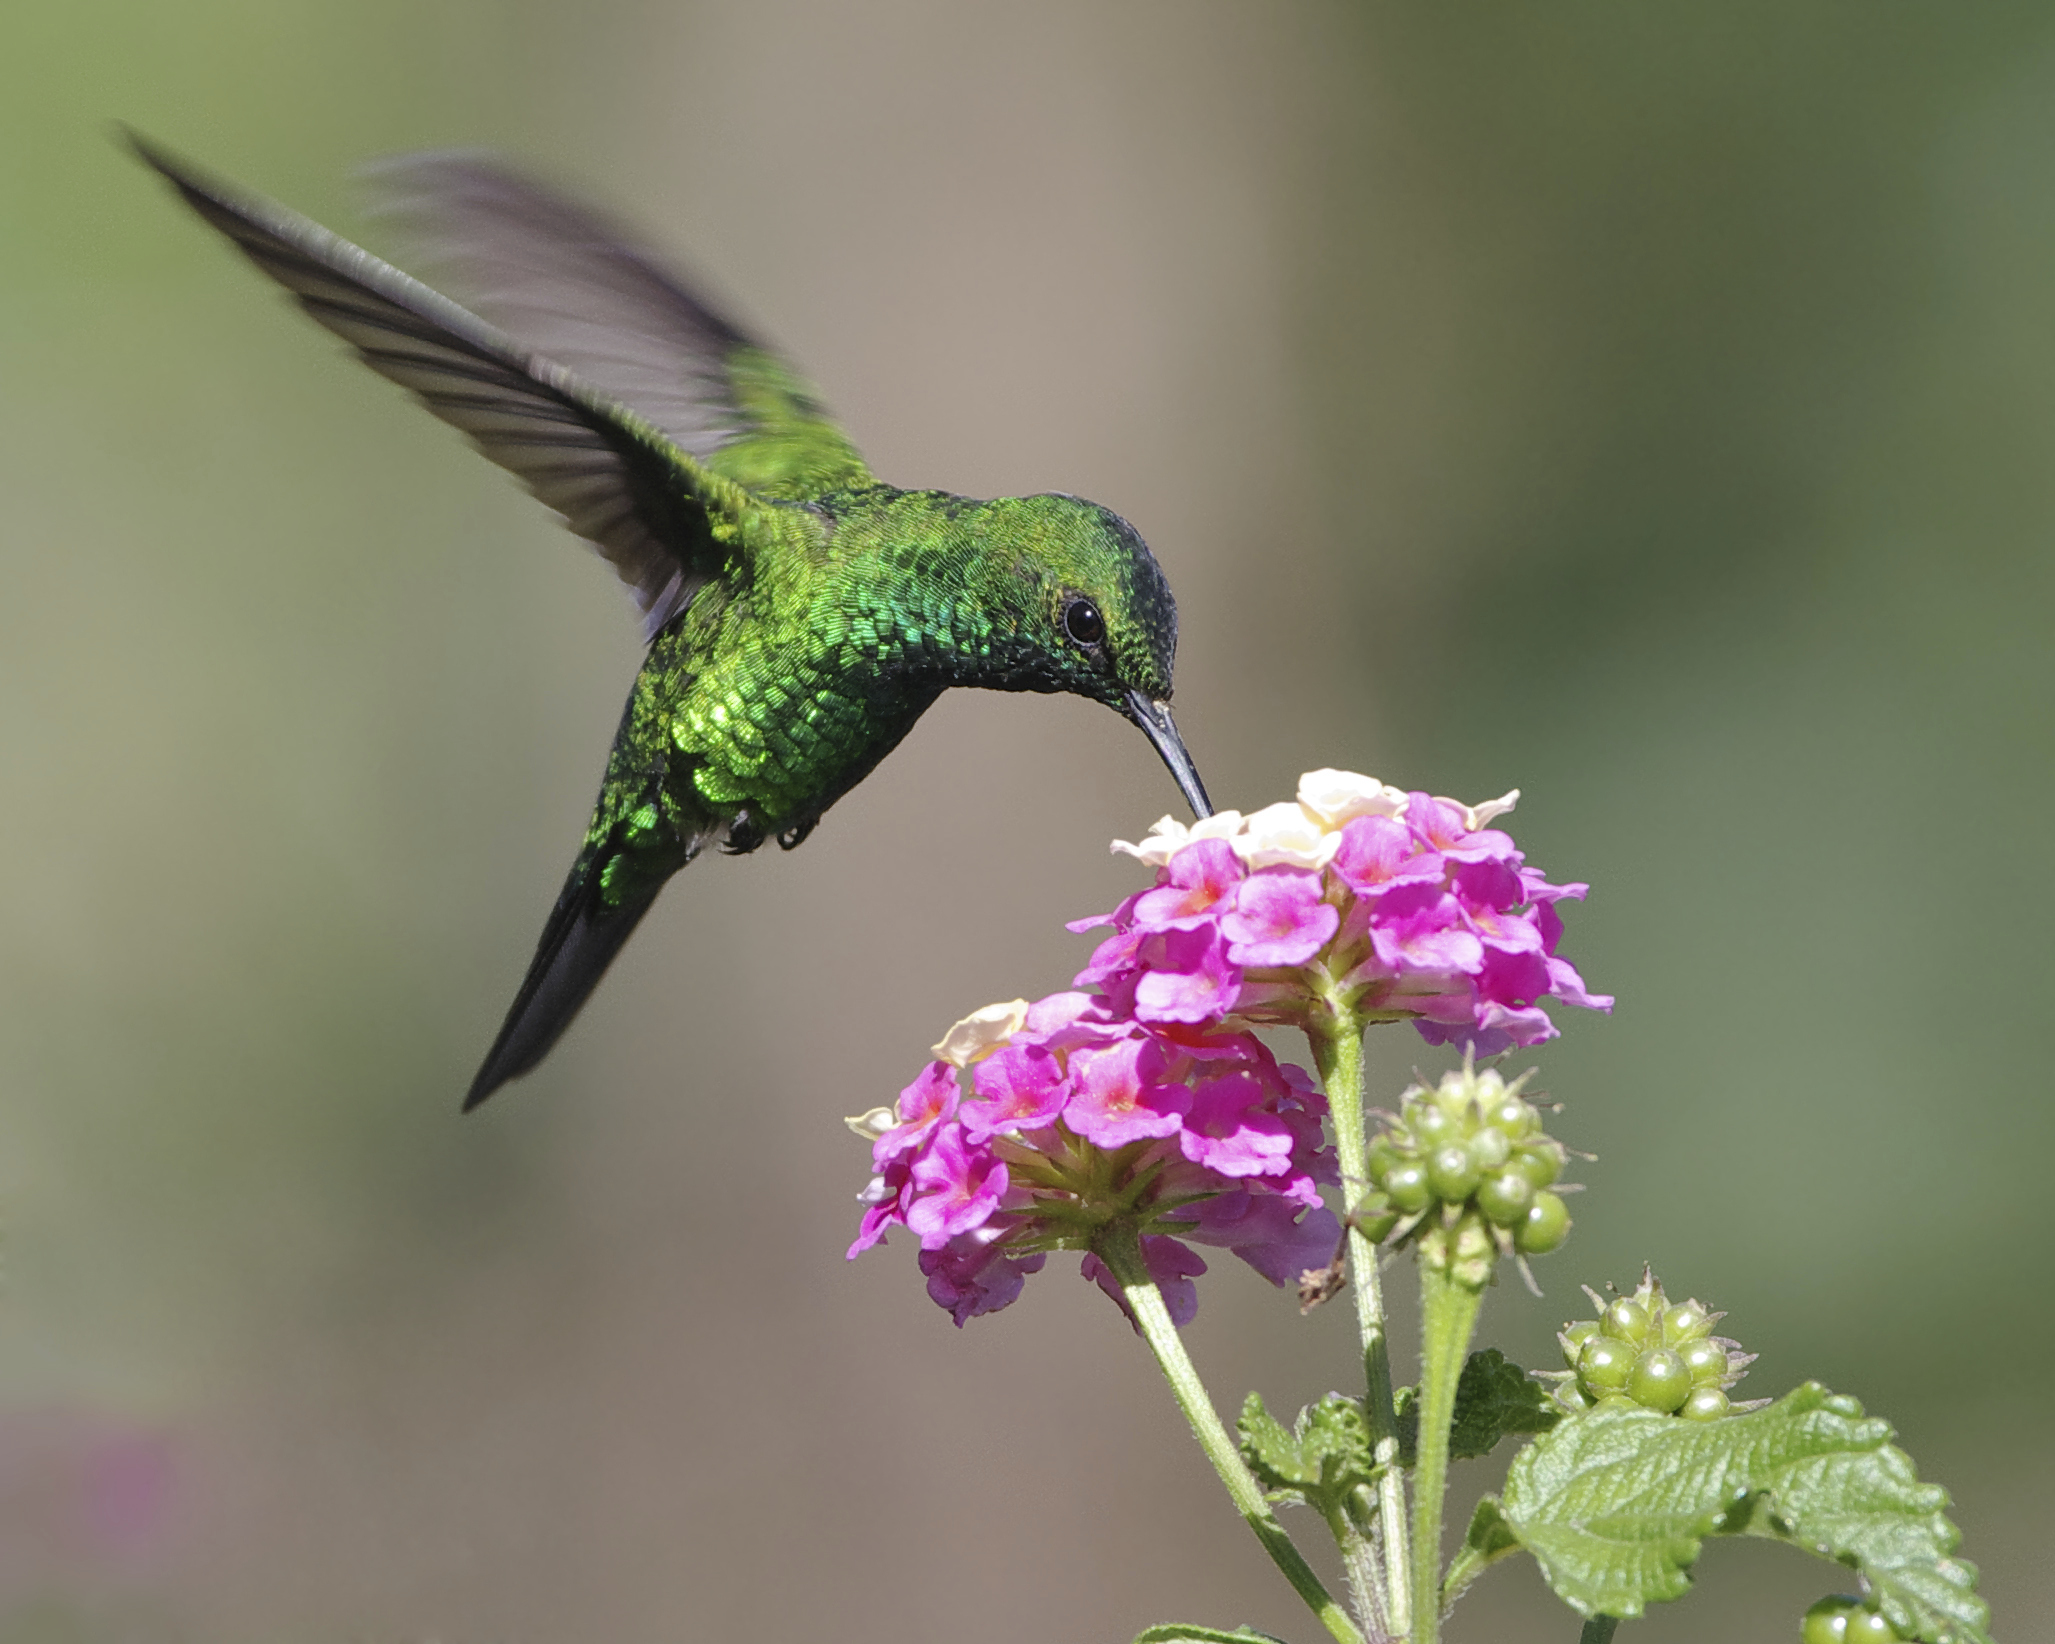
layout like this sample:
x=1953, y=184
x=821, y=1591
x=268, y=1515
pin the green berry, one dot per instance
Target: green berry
x=1574, y=1337
x=1827, y=1621
x=1384, y=1157
x=1706, y=1360
x=1627, y=1320
x=1705, y=1404
x=1659, y=1381
x=1376, y=1217
x=1451, y=1174
x=1687, y=1321
x=1429, y=1124
x=1514, y=1118
x=1546, y=1226
x=1538, y=1162
x=1869, y=1627
x=1489, y=1150
x=1405, y=1184
x=1506, y=1198
x=1603, y=1366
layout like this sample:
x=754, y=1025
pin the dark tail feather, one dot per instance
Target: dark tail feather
x=577, y=945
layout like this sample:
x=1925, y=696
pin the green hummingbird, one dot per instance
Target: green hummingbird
x=800, y=615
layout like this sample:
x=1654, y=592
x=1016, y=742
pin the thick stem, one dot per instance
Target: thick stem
x=1338, y=1050
x=1119, y=1246
x=1598, y=1630
x=1448, y=1315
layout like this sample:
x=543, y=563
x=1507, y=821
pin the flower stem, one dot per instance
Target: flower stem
x=1337, y=1041
x=1598, y=1630
x=1119, y=1247
x=1448, y=1315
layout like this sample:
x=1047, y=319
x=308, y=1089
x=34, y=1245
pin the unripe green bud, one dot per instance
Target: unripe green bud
x=1506, y=1198
x=1488, y=1150
x=1706, y=1360
x=1406, y=1184
x=1705, y=1404
x=1659, y=1381
x=1546, y=1225
x=1604, y=1366
x=1451, y=1174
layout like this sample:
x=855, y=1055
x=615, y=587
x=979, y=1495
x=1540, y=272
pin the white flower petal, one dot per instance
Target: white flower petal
x=1287, y=834
x=1481, y=816
x=981, y=1032
x=870, y=1126
x=1220, y=825
x=1337, y=798
x=1165, y=840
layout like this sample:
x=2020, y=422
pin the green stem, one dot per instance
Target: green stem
x=1119, y=1246
x=1448, y=1315
x=1598, y=1630
x=1337, y=1042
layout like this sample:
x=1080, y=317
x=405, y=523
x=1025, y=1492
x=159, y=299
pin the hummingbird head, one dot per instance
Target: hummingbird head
x=1101, y=620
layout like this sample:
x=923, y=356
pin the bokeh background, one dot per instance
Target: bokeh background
x=1648, y=405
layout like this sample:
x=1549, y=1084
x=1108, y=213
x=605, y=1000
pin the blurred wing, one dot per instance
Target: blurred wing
x=576, y=288
x=664, y=522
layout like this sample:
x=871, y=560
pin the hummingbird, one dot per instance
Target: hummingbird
x=800, y=615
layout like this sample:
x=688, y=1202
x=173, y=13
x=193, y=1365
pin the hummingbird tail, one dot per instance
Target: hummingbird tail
x=577, y=945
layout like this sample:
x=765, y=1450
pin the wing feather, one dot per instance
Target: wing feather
x=618, y=480
x=579, y=289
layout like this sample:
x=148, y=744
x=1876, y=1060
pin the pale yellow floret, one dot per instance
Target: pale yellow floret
x=870, y=1126
x=981, y=1032
x=1285, y=835
x=1337, y=798
x=1305, y=833
x=1481, y=816
x=1169, y=836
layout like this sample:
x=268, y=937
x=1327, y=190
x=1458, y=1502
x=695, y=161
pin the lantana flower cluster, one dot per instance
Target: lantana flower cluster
x=1075, y=1115
x=1145, y=1098
x=1389, y=904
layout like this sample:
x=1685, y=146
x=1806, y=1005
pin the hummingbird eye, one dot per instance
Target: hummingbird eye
x=1082, y=622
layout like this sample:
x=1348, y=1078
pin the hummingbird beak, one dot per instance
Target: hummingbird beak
x=1155, y=721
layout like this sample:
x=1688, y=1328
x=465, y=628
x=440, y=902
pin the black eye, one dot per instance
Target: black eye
x=1081, y=620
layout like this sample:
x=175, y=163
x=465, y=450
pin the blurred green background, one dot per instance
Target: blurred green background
x=1647, y=405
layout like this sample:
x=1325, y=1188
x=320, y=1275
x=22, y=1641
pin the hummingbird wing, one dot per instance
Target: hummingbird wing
x=579, y=289
x=666, y=522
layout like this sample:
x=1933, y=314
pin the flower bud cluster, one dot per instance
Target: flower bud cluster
x=1470, y=1152
x=1397, y=906
x=1643, y=1349
x=1076, y=1117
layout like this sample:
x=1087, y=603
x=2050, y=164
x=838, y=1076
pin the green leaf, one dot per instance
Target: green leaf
x=1177, y=1632
x=1320, y=1463
x=1494, y=1397
x=1615, y=1504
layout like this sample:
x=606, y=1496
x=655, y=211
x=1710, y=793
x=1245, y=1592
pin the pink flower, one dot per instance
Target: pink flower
x=1081, y=1118
x=1420, y=909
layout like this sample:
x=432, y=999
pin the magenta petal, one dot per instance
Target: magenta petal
x=969, y=1276
x=1276, y=1237
x=1199, y=876
x=1230, y=1130
x=959, y=1187
x=1119, y=1095
x=1192, y=982
x=1019, y=1087
x=1278, y=918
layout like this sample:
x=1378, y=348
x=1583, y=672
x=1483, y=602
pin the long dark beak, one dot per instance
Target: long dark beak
x=1157, y=725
